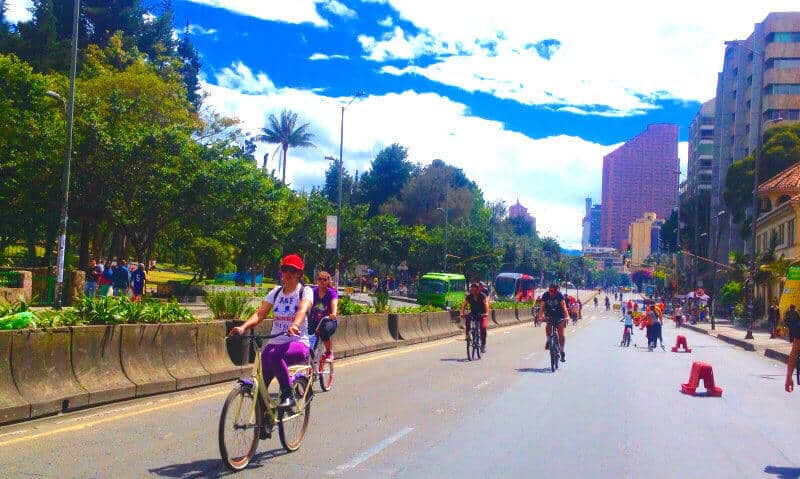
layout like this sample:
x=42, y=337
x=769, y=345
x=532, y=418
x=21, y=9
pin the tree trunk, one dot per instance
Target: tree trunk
x=83, y=247
x=285, y=151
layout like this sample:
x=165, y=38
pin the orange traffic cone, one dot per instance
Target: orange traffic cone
x=705, y=372
x=681, y=342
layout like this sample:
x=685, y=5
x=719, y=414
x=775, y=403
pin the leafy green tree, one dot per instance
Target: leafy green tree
x=388, y=174
x=331, y=187
x=439, y=185
x=287, y=133
x=31, y=156
x=190, y=70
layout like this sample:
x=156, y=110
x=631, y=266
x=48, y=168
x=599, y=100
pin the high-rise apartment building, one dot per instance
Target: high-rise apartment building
x=639, y=176
x=758, y=86
x=591, y=226
x=701, y=151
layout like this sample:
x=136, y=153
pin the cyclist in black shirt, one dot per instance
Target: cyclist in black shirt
x=478, y=305
x=555, y=308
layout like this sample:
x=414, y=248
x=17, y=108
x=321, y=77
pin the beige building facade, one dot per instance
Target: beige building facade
x=639, y=238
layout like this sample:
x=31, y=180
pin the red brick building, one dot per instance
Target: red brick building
x=639, y=176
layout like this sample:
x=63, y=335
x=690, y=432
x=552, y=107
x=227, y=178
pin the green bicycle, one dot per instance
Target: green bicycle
x=250, y=413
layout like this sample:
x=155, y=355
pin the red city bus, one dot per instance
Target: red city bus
x=515, y=287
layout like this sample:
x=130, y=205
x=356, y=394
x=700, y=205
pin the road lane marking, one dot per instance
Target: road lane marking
x=531, y=355
x=411, y=349
x=78, y=427
x=369, y=453
x=483, y=384
x=109, y=416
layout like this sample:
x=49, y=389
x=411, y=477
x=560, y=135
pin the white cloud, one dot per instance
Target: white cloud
x=397, y=45
x=294, y=11
x=611, y=52
x=386, y=22
x=505, y=164
x=195, y=29
x=323, y=56
x=338, y=8
x=18, y=11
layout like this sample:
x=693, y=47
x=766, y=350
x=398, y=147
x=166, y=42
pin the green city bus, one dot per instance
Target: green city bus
x=442, y=289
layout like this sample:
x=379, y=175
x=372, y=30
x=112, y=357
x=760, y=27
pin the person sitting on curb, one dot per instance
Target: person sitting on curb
x=792, y=320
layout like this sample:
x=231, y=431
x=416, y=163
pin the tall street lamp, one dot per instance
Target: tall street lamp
x=339, y=215
x=714, y=277
x=444, y=210
x=70, y=111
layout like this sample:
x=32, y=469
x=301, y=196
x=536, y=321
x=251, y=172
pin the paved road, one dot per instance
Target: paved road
x=426, y=412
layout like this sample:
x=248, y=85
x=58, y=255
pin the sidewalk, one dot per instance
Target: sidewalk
x=761, y=343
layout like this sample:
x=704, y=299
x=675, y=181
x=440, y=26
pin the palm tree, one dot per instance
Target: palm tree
x=286, y=133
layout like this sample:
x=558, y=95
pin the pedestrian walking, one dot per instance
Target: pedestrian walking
x=107, y=278
x=121, y=279
x=774, y=314
x=138, y=282
x=93, y=274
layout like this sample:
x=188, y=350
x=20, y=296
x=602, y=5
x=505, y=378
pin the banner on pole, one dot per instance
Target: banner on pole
x=331, y=226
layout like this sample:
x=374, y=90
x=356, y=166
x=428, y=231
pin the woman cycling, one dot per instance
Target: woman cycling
x=291, y=302
x=326, y=305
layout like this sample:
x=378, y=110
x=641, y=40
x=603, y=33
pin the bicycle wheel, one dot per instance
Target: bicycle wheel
x=476, y=342
x=293, y=422
x=326, y=375
x=238, y=430
x=554, y=354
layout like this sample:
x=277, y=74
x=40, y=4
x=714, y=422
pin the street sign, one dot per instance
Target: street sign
x=331, y=225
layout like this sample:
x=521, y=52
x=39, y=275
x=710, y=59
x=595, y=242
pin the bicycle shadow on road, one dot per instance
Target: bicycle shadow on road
x=213, y=467
x=454, y=360
x=535, y=370
x=783, y=472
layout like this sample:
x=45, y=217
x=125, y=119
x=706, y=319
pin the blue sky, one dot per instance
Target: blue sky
x=527, y=97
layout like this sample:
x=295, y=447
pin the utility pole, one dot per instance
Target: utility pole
x=444, y=210
x=62, y=226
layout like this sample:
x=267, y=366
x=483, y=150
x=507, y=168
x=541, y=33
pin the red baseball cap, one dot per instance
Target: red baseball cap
x=293, y=260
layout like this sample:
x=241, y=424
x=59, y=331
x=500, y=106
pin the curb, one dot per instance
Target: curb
x=737, y=342
x=777, y=355
x=696, y=329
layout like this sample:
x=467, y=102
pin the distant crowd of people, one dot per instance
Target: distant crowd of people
x=115, y=279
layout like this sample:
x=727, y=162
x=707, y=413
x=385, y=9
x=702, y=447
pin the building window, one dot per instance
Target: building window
x=781, y=235
x=782, y=114
x=782, y=89
x=783, y=63
x=790, y=233
x=783, y=37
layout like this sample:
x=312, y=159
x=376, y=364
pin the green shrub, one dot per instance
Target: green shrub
x=348, y=307
x=381, y=303
x=427, y=308
x=230, y=305
x=503, y=305
x=18, y=306
x=114, y=310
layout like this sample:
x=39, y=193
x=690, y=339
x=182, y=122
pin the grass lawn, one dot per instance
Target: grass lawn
x=161, y=277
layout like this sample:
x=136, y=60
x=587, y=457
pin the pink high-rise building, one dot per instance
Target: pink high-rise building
x=638, y=177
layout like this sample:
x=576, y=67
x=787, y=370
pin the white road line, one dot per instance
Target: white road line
x=374, y=450
x=478, y=386
x=530, y=356
x=506, y=332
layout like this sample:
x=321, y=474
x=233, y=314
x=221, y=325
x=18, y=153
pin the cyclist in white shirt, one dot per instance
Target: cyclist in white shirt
x=291, y=303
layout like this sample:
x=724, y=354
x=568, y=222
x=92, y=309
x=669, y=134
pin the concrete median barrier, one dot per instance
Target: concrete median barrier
x=341, y=345
x=96, y=363
x=350, y=333
x=440, y=324
x=40, y=363
x=504, y=317
x=212, y=352
x=179, y=351
x=378, y=326
x=409, y=329
x=13, y=407
x=362, y=330
x=140, y=355
x=524, y=313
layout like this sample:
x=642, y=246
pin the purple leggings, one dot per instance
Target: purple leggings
x=276, y=359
